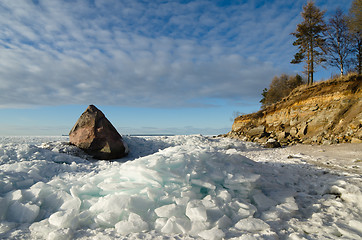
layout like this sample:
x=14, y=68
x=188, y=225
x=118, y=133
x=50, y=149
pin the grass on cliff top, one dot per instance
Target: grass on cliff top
x=337, y=79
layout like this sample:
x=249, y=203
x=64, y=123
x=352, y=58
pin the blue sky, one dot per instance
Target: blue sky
x=178, y=67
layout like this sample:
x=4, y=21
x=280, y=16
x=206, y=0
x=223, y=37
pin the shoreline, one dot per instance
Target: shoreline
x=341, y=157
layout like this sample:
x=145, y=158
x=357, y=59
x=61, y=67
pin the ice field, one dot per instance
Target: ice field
x=175, y=187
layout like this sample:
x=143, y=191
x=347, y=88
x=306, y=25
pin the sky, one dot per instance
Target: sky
x=152, y=67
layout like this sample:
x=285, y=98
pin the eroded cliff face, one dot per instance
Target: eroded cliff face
x=324, y=113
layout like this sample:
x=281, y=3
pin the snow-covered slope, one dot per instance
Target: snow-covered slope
x=183, y=187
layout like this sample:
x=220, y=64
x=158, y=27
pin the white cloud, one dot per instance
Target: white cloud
x=156, y=54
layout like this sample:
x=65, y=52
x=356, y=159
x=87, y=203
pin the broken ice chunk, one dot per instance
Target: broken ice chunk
x=290, y=205
x=108, y=219
x=134, y=224
x=251, y=225
x=73, y=203
x=140, y=205
x=283, y=211
x=176, y=225
x=223, y=196
x=25, y=183
x=204, y=184
x=22, y=213
x=198, y=227
x=64, y=219
x=169, y=211
x=224, y=222
x=15, y=195
x=41, y=229
x=3, y=207
x=160, y=223
x=242, y=210
x=212, y=234
x=62, y=233
x=153, y=193
x=196, y=211
x=263, y=202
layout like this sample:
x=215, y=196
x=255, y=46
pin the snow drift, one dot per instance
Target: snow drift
x=184, y=186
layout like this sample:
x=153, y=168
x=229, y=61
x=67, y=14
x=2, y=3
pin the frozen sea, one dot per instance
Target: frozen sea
x=175, y=187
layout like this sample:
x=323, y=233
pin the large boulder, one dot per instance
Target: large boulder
x=96, y=136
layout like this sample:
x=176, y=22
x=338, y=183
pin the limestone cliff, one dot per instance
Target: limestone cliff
x=326, y=112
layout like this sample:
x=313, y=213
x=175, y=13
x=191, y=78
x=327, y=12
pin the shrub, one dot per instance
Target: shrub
x=279, y=88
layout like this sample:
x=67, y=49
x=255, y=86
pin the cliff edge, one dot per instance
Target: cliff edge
x=324, y=113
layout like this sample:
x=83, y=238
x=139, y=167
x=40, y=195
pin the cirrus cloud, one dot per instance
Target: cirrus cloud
x=134, y=53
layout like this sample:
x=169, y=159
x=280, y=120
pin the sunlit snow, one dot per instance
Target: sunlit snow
x=180, y=187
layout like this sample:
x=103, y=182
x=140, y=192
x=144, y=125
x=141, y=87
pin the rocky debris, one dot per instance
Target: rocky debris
x=95, y=134
x=327, y=112
x=272, y=143
x=258, y=131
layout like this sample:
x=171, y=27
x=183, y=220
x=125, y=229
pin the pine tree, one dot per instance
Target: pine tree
x=355, y=27
x=310, y=41
x=355, y=13
x=338, y=45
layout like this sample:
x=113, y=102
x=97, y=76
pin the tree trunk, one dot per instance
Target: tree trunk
x=308, y=66
x=311, y=62
x=359, y=56
x=340, y=55
x=341, y=69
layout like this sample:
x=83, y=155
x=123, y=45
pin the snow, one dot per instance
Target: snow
x=183, y=187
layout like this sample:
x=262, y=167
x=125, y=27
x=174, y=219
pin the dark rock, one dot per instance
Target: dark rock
x=271, y=143
x=302, y=131
x=94, y=134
